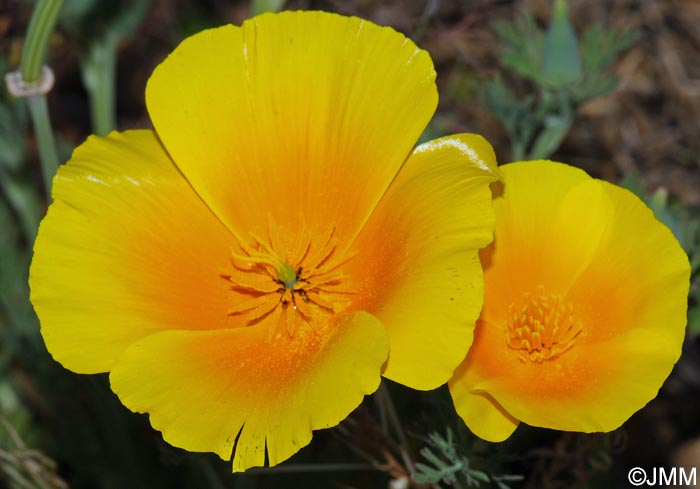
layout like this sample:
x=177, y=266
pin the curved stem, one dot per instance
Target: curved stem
x=40, y=28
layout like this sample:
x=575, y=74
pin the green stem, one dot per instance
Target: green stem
x=99, y=72
x=40, y=28
x=44, y=135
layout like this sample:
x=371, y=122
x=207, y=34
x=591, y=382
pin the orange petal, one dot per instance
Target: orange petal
x=248, y=391
x=418, y=270
x=298, y=113
x=484, y=416
x=126, y=249
x=590, y=388
x=534, y=209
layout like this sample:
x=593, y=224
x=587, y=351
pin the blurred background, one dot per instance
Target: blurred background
x=611, y=86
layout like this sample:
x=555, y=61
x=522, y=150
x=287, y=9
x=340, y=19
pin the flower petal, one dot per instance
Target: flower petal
x=639, y=278
x=541, y=209
x=204, y=389
x=592, y=388
x=480, y=412
x=126, y=249
x=297, y=113
x=418, y=259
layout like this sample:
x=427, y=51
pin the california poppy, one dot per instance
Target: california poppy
x=247, y=271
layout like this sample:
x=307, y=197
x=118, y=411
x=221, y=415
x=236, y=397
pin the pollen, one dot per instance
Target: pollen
x=542, y=326
x=293, y=285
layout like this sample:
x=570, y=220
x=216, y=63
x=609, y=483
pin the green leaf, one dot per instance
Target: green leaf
x=502, y=479
x=23, y=198
x=634, y=184
x=427, y=453
x=522, y=45
x=658, y=203
x=592, y=86
x=14, y=291
x=514, y=113
x=600, y=47
x=257, y=7
x=425, y=474
x=561, y=64
x=479, y=475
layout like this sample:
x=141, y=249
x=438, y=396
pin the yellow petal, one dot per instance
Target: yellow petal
x=293, y=113
x=418, y=263
x=639, y=277
x=536, y=208
x=242, y=388
x=126, y=249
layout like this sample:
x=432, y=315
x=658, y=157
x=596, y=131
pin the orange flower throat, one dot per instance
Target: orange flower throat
x=542, y=326
x=301, y=287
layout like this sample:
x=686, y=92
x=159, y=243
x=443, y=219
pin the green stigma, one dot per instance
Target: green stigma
x=287, y=275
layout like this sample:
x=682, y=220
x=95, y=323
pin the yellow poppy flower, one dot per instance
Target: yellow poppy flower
x=584, y=309
x=243, y=271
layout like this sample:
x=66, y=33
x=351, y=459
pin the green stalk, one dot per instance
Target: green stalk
x=45, y=140
x=41, y=26
x=98, y=65
x=99, y=73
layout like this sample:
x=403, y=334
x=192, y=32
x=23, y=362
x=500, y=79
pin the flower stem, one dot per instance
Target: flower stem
x=98, y=71
x=45, y=140
x=41, y=26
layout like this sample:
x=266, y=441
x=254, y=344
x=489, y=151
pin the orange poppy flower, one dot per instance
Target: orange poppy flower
x=243, y=271
x=584, y=310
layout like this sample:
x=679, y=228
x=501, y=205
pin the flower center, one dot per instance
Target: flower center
x=287, y=275
x=295, y=283
x=541, y=326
